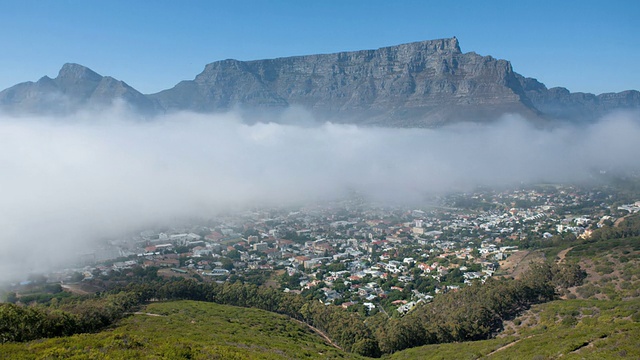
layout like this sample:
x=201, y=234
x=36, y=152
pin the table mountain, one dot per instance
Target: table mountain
x=417, y=84
x=420, y=84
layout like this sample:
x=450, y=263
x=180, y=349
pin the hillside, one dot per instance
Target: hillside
x=612, y=267
x=198, y=330
x=187, y=330
x=567, y=329
x=599, y=319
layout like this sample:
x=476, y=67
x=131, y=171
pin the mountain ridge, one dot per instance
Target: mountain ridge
x=420, y=84
x=75, y=87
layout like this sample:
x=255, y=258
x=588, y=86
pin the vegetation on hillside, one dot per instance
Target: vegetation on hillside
x=187, y=330
x=571, y=329
x=474, y=312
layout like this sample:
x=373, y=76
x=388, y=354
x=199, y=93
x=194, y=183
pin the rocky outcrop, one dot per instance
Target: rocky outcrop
x=559, y=103
x=75, y=87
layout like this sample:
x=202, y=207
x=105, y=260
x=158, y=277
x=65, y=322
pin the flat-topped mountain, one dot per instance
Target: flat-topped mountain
x=420, y=84
x=414, y=84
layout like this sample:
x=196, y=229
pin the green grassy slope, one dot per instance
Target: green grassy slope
x=571, y=329
x=612, y=266
x=187, y=330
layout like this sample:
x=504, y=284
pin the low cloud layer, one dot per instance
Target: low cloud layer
x=67, y=181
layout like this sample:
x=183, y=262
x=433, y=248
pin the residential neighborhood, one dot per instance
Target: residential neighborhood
x=357, y=254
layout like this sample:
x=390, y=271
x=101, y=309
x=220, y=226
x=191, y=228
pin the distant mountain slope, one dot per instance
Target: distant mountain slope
x=420, y=84
x=560, y=103
x=75, y=87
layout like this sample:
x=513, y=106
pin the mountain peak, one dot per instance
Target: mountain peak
x=77, y=72
x=437, y=46
x=446, y=44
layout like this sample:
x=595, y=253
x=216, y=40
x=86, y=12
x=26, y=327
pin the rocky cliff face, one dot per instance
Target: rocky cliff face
x=419, y=84
x=75, y=87
x=560, y=103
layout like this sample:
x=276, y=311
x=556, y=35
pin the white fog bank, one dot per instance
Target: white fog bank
x=67, y=181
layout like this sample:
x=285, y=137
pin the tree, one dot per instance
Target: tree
x=234, y=254
x=76, y=277
x=227, y=264
x=11, y=297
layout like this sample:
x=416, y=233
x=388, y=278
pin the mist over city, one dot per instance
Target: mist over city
x=70, y=181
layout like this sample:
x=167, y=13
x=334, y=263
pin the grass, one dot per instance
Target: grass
x=462, y=351
x=613, y=268
x=571, y=329
x=187, y=330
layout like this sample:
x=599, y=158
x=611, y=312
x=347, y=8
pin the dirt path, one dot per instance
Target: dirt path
x=146, y=313
x=617, y=223
x=508, y=266
x=317, y=331
x=508, y=345
x=518, y=262
x=562, y=254
x=74, y=289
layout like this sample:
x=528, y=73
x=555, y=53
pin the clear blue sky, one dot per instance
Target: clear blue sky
x=590, y=46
